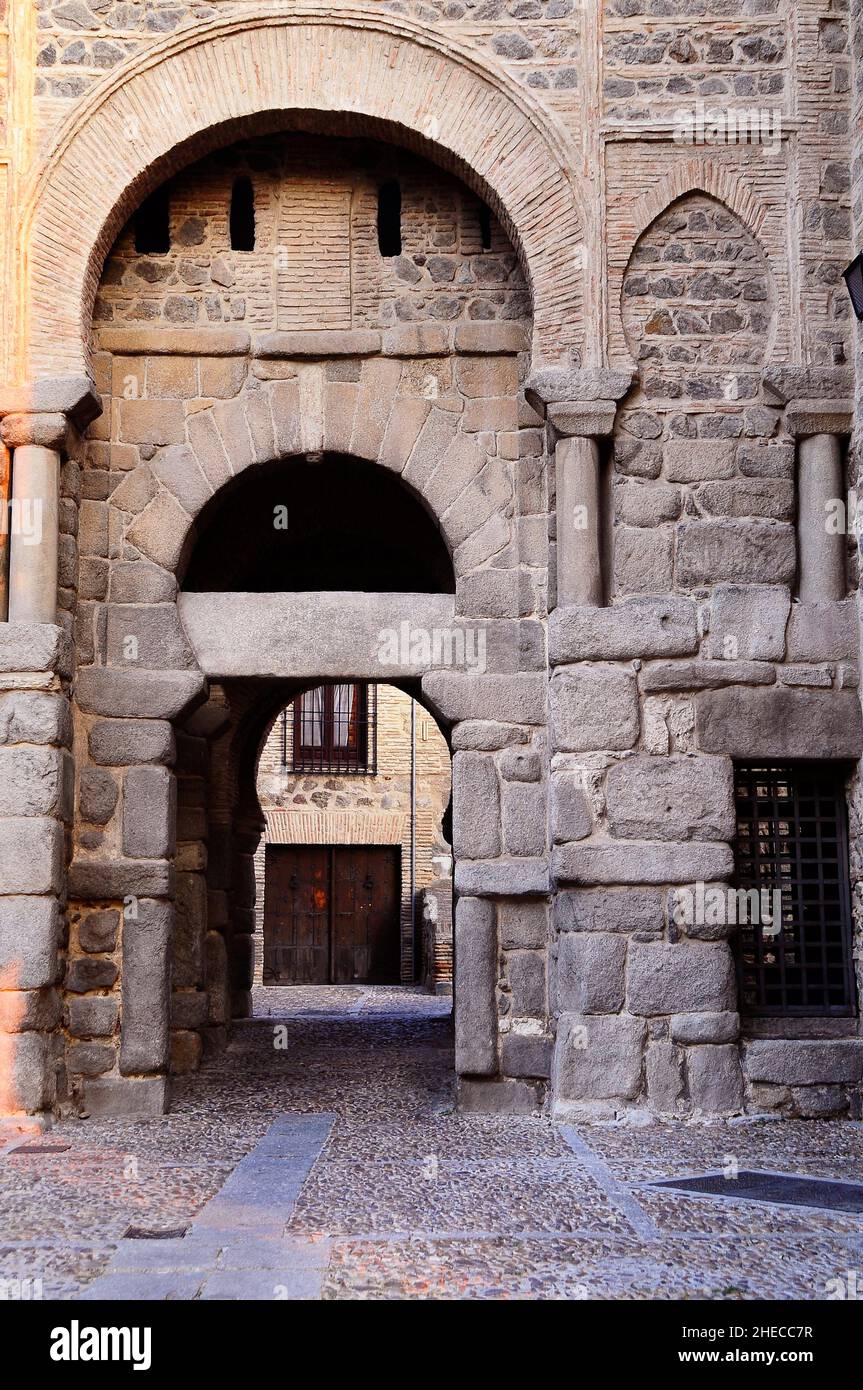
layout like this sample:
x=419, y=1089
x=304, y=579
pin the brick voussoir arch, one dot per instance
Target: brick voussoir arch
x=444, y=467
x=207, y=83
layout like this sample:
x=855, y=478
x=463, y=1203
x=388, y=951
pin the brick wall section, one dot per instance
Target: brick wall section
x=366, y=810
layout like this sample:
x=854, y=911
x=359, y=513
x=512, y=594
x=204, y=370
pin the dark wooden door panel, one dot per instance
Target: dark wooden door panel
x=297, y=915
x=331, y=914
x=366, y=915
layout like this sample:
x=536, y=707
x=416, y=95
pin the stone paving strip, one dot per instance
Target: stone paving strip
x=236, y=1247
x=620, y=1196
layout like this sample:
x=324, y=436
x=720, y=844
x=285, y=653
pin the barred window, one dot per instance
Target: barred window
x=792, y=848
x=332, y=728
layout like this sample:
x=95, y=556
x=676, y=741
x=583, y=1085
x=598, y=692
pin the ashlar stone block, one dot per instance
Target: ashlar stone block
x=685, y=976
x=593, y=707
x=598, y=1057
x=676, y=797
x=747, y=621
x=591, y=972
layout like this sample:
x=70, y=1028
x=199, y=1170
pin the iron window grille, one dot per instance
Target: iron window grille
x=792, y=836
x=332, y=729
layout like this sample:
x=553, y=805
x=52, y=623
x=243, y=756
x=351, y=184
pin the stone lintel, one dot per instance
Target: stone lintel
x=366, y=634
x=785, y=383
x=318, y=342
x=777, y=722
x=804, y=418
x=175, y=342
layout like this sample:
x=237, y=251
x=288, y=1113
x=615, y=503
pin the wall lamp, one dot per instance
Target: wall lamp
x=853, y=278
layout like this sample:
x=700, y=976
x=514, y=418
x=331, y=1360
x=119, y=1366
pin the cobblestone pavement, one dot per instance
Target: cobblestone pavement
x=408, y=1198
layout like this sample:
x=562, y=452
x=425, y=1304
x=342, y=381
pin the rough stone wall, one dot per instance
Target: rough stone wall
x=537, y=41
x=332, y=809
x=703, y=487
x=316, y=262
x=710, y=264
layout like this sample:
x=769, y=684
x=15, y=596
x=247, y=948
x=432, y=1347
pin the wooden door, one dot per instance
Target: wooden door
x=366, y=948
x=331, y=915
x=297, y=915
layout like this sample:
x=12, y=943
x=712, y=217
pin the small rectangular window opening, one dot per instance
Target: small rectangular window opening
x=485, y=226
x=242, y=215
x=390, y=218
x=153, y=224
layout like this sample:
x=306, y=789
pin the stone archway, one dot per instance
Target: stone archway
x=149, y=720
x=204, y=85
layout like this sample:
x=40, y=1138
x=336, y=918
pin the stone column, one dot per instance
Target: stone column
x=579, y=562
x=35, y=535
x=820, y=423
x=580, y=406
x=821, y=548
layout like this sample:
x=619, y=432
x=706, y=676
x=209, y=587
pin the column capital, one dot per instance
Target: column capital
x=73, y=397
x=579, y=402
x=47, y=430
x=807, y=418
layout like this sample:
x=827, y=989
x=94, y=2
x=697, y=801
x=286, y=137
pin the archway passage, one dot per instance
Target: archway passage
x=289, y=507
x=335, y=523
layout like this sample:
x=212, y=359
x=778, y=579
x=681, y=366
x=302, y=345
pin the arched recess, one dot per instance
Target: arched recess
x=209, y=84
x=716, y=180
x=698, y=296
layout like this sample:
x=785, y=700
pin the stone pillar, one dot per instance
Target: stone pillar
x=35, y=534
x=35, y=807
x=580, y=407
x=579, y=562
x=5, y=484
x=820, y=423
x=821, y=548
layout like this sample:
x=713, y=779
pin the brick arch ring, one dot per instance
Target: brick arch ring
x=467, y=493
x=207, y=84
